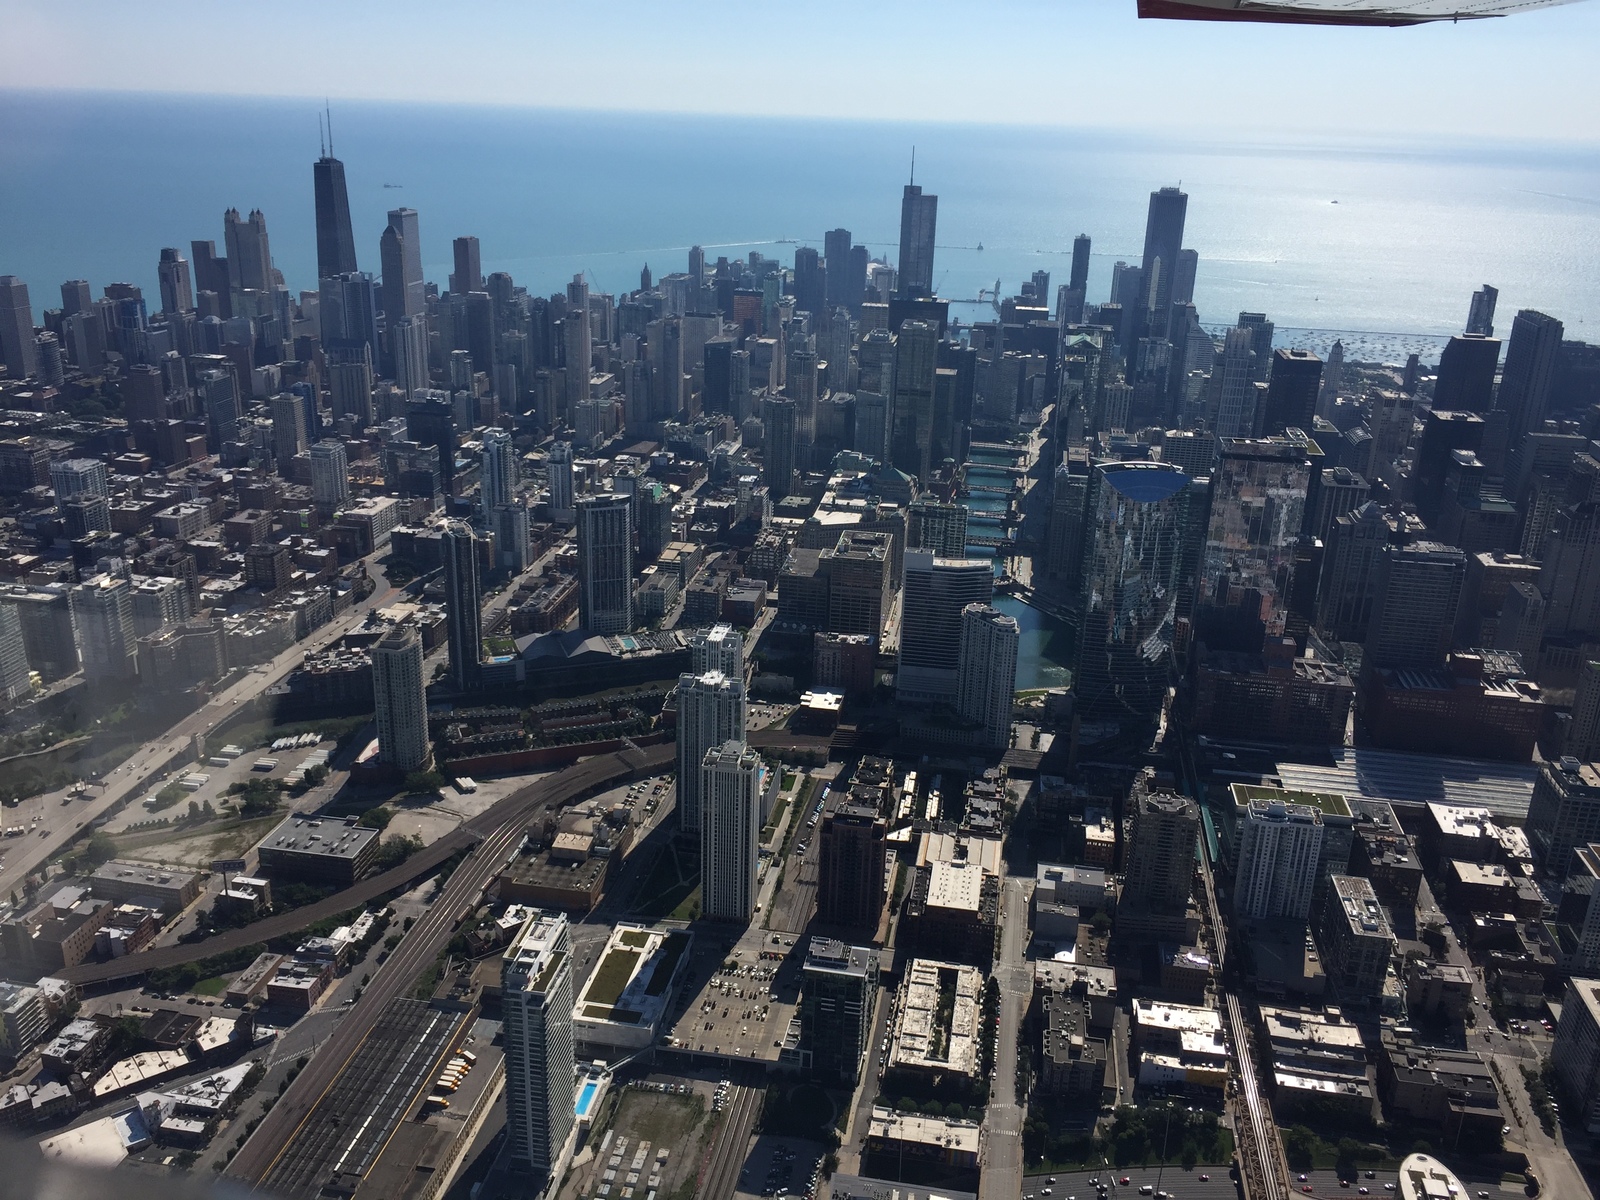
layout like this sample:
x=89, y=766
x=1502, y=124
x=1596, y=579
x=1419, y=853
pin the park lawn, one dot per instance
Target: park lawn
x=211, y=987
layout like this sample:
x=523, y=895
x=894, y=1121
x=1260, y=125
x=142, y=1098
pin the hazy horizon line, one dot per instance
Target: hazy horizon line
x=1199, y=137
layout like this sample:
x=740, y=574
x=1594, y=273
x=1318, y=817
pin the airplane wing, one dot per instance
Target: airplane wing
x=1337, y=12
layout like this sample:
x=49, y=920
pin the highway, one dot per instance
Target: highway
x=63, y=821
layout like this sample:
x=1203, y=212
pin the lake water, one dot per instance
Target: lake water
x=92, y=186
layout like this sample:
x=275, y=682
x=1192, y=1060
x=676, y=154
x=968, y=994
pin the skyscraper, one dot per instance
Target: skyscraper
x=347, y=308
x=408, y=343
x=934, y=525
x=499, y=477
x=711, y=711
x=336, y=241
x=1292, y=387
x=1280, y=844
x=288, y=431
x=839, y=984
x=468, y=275
x=579, y=346
x=1480, y=317
x=405, y=294
x=1161, y=850
x=177, y=294
x=988, y=672
x=1137, y=513
x=933, y=596
x=330, y=476
x=1466, y=373
x=1413, y=618
x=14, y=681
x=558, y=469
x=1163, y=239
x=836, y=245
x=1079, y=278
x=730, y=831
x=463, y=605
x=1233, y=385
x=102, y=610
x=17, y=352
x=1183, y=278
x=1531, y=358
x=249, y=254
x=1332, y=378
x=350, y=389
x=1258, y=505
x=850, y=861
x=399, y=698
x=73, y=477
x=919, y=216
x=536, y=995
x=720, y=648
x=779, y=444
x=605, y=563
x=911, y=405
x=810, y=282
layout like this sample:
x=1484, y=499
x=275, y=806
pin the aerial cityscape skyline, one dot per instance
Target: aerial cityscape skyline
x=1087, y=684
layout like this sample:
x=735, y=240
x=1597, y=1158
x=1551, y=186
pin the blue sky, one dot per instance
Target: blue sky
x=1066, y=62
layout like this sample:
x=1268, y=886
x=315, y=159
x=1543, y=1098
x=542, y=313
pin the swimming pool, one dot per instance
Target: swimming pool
x=586, y=1099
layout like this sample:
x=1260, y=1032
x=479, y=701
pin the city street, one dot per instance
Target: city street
x=1002, y=1128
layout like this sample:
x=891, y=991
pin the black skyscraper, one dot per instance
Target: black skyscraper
x=1531, y=358
x=463, y=605
x=1163, y=238
x=842, y=290
x=717, y=393
x=336, y=242
x=919, y=217
x=1466, y=373
x=810, y=282
x=1080, y=262
x=1291, y=392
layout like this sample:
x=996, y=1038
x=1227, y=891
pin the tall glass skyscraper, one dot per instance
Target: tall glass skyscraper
x=463, y=605
x=1132, y=562
x=919, y=215
x=336, y=241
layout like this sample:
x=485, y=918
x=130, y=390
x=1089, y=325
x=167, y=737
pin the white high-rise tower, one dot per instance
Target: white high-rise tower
x=711, y=711
x=399, y=698
x=536, y=1000
x=988, y=674
x=730, y=831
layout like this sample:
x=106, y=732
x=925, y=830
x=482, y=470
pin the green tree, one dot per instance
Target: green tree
x=100, y=849
x=420, y=783
x=376, y=818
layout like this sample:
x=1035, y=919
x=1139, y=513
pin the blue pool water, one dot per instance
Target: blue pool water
x=586, y=1099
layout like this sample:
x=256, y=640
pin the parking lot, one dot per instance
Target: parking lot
x=780, y=1166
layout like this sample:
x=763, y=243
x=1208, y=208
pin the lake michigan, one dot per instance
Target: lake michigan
x=1379, y=243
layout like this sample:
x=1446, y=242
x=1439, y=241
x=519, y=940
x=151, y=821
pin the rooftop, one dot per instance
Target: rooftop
x=324, y=838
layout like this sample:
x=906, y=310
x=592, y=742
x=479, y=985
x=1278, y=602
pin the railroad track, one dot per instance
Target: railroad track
x=283, y=1122
x=500, y=829
x=722, y=1175
x=1261, y=1167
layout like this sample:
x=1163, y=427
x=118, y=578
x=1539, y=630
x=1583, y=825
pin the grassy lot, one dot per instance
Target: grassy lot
x=689, y=907
x=211, y=987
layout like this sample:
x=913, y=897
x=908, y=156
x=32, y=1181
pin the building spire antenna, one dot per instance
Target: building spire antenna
x=913, y=164
x=322, y=138
x=329, y=109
